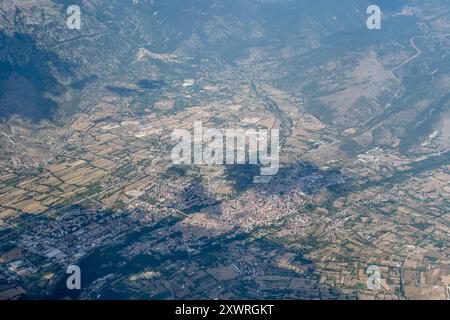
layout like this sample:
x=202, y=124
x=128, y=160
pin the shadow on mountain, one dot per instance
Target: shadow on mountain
x=28, y=87
x=151, y=84
x=312, y=178
x=241, y=176
x=195, y=197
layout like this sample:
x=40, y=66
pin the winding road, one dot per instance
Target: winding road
x=285, y=122
x=418, y=53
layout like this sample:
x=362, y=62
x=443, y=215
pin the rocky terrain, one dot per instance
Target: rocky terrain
x=86, y=177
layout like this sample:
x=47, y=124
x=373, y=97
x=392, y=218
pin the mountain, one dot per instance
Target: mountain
x=88, y=120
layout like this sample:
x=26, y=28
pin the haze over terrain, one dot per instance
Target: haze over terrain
x=86, y=176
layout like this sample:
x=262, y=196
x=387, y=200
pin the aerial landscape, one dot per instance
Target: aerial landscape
x=220, y=149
